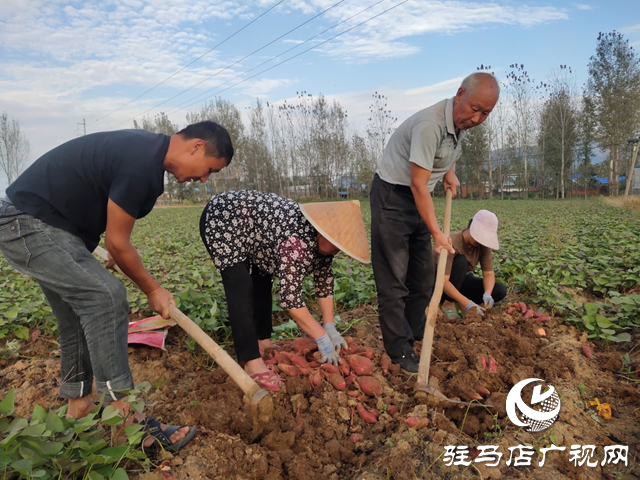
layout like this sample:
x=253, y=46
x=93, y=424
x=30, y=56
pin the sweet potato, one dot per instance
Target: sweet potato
x=392, y=410
x=482, y=390
x=361, y=365
x=337, y=381
x=345, y=369
x=282, y=358
x=352, y=346
x=368, y=352
x=304, y=345
x=416, y=422
x=370, y=386
x=270, y=360
x=523, y=307
x=356, y=437
x=472, y=395
x=510, y=310
x=299, y=361
x=493, y=366
x=385, y=363
x=313, y=365
x=543, y=318
x=483, y=362
x=586, y=349
x=290, y=370
x=528, y=314
x=315, y=379
x=327, y=367
x=350, y=378
x=366, y=414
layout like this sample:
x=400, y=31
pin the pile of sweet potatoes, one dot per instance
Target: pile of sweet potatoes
x=521, y=307
x=355, y=374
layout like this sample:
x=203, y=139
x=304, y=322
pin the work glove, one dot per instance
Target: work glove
x=487, y=300
x=327, y=350
x=336, y=338
x=471, y=305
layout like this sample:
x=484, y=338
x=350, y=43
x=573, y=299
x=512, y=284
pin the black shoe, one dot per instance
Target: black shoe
x=409, y=362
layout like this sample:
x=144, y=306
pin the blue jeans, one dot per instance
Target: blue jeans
x=89, y=303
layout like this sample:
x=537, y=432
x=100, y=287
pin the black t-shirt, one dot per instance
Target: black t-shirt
x=69, y=187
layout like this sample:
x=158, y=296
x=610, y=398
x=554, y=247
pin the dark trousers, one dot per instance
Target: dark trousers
x=469, y=285
x=402, y=265
x=248, y=293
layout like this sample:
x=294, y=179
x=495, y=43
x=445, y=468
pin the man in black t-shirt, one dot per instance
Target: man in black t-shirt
x=52, y=219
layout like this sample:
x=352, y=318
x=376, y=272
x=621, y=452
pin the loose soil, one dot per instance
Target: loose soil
x=311, y=435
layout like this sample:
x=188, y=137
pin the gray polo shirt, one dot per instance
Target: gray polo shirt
x=426, y=138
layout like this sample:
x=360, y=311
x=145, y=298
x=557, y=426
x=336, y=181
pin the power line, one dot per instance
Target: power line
x=235, y=63
x=290, y=58
x=191, y=63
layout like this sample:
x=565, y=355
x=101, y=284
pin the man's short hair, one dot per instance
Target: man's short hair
x=470, y=83
x=217, y=140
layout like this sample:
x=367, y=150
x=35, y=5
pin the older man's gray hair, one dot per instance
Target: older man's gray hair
x=471, y=82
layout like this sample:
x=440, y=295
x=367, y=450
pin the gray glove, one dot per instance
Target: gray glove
x=487, y=300
x=336, y=338
x=328, y=351
x=471, y=305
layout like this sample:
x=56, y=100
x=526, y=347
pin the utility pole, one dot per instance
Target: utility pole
x=632, y=166
x=84, y=126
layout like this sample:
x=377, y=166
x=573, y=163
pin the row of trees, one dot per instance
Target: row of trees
x=297, y=149
x=542, y=138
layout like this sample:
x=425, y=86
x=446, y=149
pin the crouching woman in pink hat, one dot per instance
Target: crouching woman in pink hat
x=252, y=237
x=473, y=245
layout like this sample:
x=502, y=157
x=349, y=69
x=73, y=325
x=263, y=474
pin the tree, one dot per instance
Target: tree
x=585, y=141
x=380, y=125
x=558, y=129
x=520, y=98
x=614, y=87
x=475, y=151
x=14, y=148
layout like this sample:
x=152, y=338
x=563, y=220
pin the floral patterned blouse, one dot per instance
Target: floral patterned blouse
x=272, y=234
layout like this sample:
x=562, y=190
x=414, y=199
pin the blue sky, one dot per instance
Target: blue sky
x=65, y=61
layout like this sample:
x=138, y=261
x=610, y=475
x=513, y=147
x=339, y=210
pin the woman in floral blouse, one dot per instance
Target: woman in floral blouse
x=252, y=237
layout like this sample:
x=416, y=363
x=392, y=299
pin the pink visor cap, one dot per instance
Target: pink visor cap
x=484, y=229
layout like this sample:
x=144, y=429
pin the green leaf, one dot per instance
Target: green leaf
x=582, y=389
x=114, y=453
x=7, y=406
x=591, y=308
x=554, y=439
x=22, y=332
x=119, y=474
x=603, y=322
x=23, y=466
x=621, y=337
x=39, y=413
x=54, y=422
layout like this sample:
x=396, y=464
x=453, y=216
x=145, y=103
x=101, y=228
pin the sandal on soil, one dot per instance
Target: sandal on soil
x=162, y=438
x=269, y=380
x=451, y=313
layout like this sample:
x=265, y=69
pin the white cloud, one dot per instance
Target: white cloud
x=582, y=6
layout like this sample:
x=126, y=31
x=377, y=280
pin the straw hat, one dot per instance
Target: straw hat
x=341, y=223
x=484, y=229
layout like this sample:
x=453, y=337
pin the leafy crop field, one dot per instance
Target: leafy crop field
x=579, y=259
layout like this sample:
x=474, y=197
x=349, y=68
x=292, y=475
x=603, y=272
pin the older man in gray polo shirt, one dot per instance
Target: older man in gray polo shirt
x=422, y=151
